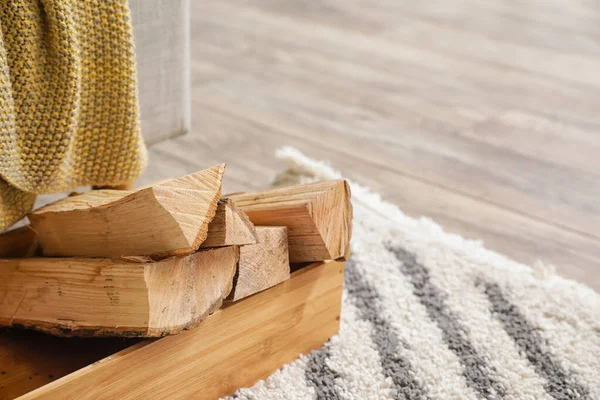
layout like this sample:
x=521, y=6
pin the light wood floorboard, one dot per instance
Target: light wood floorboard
x=481, y=115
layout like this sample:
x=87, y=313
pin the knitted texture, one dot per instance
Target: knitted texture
x=68, y=100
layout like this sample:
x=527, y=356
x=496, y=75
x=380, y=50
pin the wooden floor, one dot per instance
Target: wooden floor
x=484, y=116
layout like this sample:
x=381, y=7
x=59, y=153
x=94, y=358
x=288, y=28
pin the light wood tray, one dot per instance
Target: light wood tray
x=238, y=345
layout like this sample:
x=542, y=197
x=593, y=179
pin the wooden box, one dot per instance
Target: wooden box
x=238, y=345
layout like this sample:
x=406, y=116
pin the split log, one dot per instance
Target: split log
x=230, y=226
x=115, y=297
x=170, y=218
x=262, y=265
x=318, y=217
x=20, y=242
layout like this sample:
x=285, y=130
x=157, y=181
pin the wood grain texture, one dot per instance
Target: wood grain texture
x=230, y=226
x=169, y=218
x=114, y=297
x=480, y=115
x=235, y=347
x=318, y=217
x=262, y=265
x=29, y=360
x=19, y=242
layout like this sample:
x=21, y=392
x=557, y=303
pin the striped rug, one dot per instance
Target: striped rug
x=429, y=315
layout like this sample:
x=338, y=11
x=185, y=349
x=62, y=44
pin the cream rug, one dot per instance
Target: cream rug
x=430, y=315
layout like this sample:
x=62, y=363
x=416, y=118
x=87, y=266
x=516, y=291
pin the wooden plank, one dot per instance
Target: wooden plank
x=230, y=226
x=20, y=242
x=262, y=265
x=114, y=297
x=29, y=359
x=410, y=122
x=170, y=218
x=439, y=153
x=540, y=138
x=318, y=216
x=240, y=344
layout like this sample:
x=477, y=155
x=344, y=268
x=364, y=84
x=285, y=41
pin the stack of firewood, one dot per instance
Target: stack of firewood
x=158, y=260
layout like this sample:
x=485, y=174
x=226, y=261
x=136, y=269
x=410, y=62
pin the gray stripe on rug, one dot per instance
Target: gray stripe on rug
x=561, y=384
x=320, y=376
x=367, y=301
x=478, y=372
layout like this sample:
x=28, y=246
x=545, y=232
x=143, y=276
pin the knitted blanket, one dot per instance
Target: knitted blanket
x=68, y=100
x=429, y=315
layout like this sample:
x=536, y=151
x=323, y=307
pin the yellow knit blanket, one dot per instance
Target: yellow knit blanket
x=68, y=99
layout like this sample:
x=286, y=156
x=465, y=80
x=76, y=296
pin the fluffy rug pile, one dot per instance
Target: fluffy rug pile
x=430, y=315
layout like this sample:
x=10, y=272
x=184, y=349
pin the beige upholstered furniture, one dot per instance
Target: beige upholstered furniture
x=161, y=30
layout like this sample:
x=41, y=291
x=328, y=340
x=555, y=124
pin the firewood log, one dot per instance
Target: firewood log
x=130, y=297
x=170, y=218
x=318, y=217
x=262, y=265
